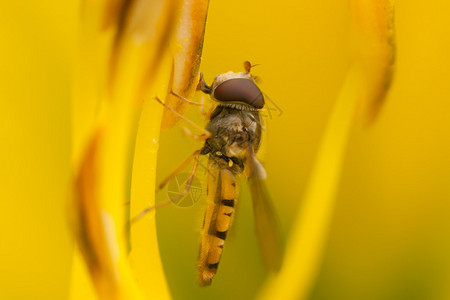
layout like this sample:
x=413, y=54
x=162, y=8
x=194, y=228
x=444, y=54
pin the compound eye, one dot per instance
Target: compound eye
x=239, y=90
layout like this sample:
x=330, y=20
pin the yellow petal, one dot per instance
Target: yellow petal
x=374, y=44
x=187, y=56
x=144, y=256
x=369, y=77
x=115, y=68
x=305, y=245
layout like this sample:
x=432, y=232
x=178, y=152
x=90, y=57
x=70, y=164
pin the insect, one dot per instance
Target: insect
x=235, y=127
x=231, y=140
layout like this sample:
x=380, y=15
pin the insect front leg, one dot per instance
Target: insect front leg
x=189, y=133
x=206, y=134
x=202, y=104
x=201, y=86
x=186, y=100
x=206, y=114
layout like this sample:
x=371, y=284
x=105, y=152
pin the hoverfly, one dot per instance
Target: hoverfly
x=235, y=128
x=231, y=140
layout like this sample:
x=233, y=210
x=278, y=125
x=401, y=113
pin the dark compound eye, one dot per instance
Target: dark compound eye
x=240, y=90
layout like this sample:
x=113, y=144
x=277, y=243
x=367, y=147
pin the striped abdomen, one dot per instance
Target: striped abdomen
x=221, y=198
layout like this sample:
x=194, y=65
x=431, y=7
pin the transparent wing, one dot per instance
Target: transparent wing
x=266, y=223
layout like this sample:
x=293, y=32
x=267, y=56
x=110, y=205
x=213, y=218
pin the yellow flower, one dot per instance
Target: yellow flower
x=358, y=174
x=123, y=63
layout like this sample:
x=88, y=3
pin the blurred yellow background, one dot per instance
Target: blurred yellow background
x=390, y=236
x=37, y=38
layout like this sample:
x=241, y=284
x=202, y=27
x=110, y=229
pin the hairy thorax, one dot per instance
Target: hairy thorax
x=233, y=131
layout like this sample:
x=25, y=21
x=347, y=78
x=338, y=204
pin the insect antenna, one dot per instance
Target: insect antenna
x=248, y=66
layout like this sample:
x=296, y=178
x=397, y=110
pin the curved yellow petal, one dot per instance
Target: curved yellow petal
x=187, y=49
x=367, y=81
x=305, y=245
x=374, y=44
x=144, y=256
x=117, y=62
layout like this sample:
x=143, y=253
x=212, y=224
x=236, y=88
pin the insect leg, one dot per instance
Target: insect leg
x=183, y=165
x=173, y=174
x=195, y=156
x=198, y=137
x=186, y=100
x=202, y=104
x=202, y=108
x=207, y=114
x=207, y=134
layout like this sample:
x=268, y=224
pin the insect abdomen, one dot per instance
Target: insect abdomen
x=221, y=200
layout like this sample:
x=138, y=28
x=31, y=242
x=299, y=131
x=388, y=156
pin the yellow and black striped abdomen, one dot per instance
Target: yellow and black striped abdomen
x=221, y=200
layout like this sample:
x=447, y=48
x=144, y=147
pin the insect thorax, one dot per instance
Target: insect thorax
x=233, y=130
